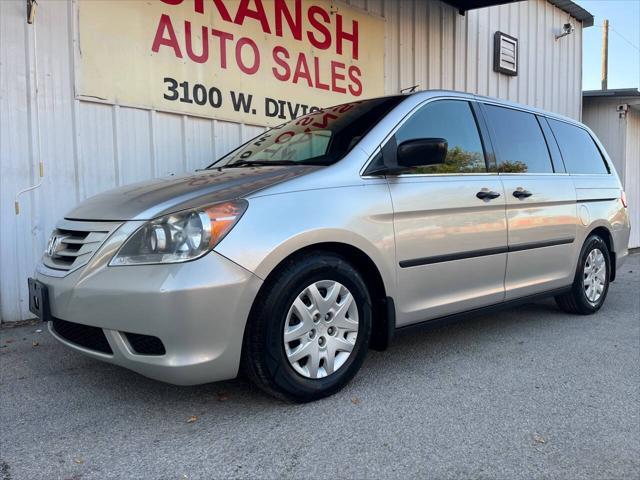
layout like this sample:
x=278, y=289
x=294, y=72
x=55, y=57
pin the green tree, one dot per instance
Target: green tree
x=457, y=161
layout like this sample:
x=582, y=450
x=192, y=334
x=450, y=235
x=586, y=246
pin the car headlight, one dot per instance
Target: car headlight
x=180, y=236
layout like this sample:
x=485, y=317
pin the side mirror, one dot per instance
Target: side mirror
x=422, y=152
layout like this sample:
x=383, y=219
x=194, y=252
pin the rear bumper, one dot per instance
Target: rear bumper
x=197, y=309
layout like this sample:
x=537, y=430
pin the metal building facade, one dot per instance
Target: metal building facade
x=614, y=116
x=89, y=147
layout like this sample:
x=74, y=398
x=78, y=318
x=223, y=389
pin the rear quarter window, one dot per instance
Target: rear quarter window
x=579, y=152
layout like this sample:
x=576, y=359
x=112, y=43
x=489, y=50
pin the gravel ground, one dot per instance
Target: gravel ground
x=525, y=393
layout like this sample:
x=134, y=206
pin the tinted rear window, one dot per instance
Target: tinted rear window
x=521, y=147
x=579, y=151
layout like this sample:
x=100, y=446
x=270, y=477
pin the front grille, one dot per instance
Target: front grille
x=73, y=243
x=145, y=344
x=86, y=336
x=74, y=248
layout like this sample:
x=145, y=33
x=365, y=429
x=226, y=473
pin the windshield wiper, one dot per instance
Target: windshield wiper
x=259, y=163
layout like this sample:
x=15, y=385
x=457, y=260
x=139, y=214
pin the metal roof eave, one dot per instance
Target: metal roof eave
x=572, y=8
x=575, y=10
x=630, y=96
x=616, y=92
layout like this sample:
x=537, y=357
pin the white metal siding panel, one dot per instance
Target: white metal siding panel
x=135, y=150
x=601, y=116
x=250, y=131
x=16, y=118
x=169, y=144
x=90, y=147
x=434, y=44
x=97, y=171
x=420, y=43
x=375, y=7
x=632, y=180
x=471, y=52
x=460, y=54
x=227, y=135
x=406, y=43
x=391, y=46
x=621, y=138
x=199, y=142
x=429, y=44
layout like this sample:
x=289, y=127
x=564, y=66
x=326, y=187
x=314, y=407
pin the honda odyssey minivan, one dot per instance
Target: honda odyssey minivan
x=291, y=256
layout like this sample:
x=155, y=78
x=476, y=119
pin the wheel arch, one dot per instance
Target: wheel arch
x=605, y=234
x=383, y=305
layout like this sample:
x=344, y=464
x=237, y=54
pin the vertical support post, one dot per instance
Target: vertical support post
x=605, y=54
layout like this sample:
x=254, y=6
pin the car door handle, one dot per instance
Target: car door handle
x=522, y=194
x=487, y=194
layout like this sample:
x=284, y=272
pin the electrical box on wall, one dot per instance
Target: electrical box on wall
x=505, y=54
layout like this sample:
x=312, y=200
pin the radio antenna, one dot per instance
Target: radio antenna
x=409, y=89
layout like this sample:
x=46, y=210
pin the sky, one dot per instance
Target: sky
x=624, y=59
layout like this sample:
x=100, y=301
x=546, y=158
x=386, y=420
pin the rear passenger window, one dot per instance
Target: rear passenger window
x=579, y=151
x=520, y=144
x=452, y=120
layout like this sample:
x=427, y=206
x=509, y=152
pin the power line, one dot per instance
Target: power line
x=621, y=36
x=624, y=38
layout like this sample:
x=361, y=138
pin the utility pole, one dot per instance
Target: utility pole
x=605, y=54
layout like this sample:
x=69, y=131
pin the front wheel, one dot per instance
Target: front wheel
x=591, y=282
x=309, y=331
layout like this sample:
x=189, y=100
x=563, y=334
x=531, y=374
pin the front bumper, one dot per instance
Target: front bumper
x=197, y=309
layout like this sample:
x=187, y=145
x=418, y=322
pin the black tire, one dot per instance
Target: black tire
x=264, y=360
x=576, y=301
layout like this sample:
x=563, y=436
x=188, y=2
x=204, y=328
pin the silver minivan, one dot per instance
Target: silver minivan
x=290, y=257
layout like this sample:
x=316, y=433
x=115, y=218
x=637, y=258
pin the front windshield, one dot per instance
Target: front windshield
x=319, y=138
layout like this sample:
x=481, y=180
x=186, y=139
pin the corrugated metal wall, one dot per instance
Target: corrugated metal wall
x=621, y=138
x=632, y=170
x=601, y=116
x=90, y=147
x=430, y=44
x=632, y=185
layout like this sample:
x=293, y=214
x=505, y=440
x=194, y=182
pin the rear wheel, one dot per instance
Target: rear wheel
x=309, y=330
x=591, y=282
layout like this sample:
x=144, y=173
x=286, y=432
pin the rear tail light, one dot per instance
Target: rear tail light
x=623, y=199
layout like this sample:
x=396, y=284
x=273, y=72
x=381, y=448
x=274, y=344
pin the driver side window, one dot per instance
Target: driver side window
x=454, y=121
